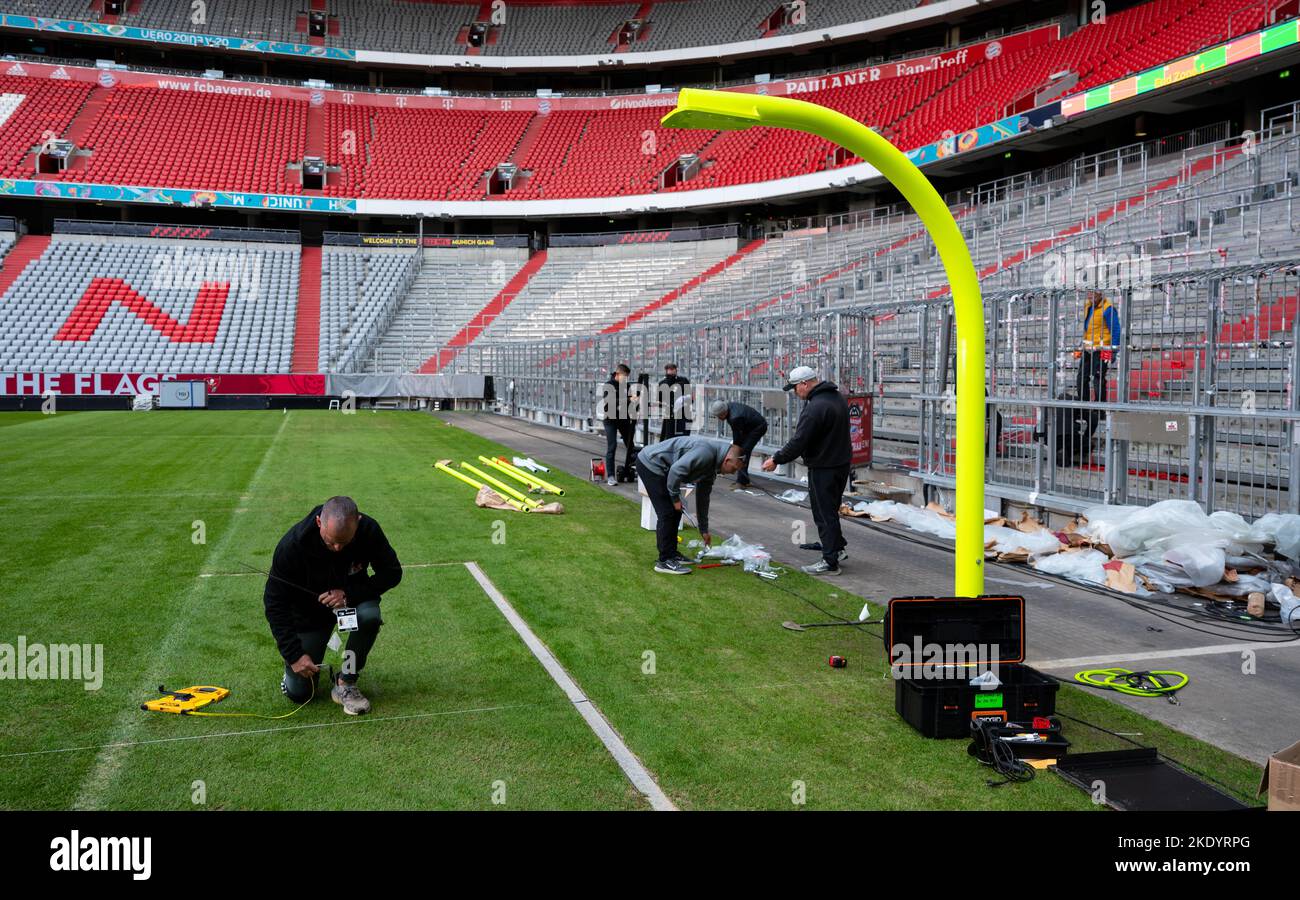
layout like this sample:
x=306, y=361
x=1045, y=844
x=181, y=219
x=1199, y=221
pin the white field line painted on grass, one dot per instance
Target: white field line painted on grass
x=632, y=767
x=368, y=720
x=101, y=775
x=242, y=574
x=1140, y=656
x=357, y=720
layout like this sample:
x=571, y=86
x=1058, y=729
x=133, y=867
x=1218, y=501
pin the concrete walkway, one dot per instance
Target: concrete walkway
x=1068, y=628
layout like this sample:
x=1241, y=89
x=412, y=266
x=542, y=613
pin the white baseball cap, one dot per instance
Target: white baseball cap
x=799, y=375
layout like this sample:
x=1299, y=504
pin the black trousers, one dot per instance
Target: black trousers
x=1092, y=376
x=826, y=492
x=747, y=442
x=614, y=429
x=669, y=519
x=298, y=688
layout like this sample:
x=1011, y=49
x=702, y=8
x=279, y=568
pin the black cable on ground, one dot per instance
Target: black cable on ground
x=991, y=751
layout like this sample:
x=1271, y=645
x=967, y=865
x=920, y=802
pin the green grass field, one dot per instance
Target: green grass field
x=102, y=514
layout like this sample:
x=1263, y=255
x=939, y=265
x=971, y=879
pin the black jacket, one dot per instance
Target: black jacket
x=617, y=402
x=302, y=559
x=676, y=387
x=747, y=425
x=822, y=435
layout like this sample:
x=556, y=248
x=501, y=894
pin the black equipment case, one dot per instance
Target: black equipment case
x=936, y=645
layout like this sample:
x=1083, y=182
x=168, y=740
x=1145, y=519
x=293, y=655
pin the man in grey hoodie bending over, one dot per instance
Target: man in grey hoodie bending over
x=664, y=469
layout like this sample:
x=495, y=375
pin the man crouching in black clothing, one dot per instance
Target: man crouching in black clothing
x=320, y=567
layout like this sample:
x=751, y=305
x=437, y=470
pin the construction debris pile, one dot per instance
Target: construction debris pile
x=1171, y=546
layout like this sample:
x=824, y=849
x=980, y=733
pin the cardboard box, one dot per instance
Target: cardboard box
x=1281, y=779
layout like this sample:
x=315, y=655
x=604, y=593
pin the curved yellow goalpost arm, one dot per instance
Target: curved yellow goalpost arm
x=731, y=111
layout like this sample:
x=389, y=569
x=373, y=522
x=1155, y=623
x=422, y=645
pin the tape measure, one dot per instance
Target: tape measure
x=186, y=700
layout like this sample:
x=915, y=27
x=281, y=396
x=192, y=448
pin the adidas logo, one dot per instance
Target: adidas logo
x=16, y=69
x=61, y=74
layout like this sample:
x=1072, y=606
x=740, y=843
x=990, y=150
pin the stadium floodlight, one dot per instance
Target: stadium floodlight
x=733, y=111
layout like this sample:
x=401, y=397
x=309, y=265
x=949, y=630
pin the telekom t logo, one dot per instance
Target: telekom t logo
x=201, y=328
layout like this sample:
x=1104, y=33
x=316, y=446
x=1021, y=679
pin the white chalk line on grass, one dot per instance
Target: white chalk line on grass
x=632, y=767
x=1142, y=655
x=358, y=720
x=102, y=773
x=367, y=720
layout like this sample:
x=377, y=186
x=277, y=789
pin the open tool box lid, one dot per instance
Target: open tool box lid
x=987, y=621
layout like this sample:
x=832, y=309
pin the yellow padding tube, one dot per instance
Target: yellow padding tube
x=474, y=484
x=731, y=111
x=520, y=475
x=501, y=486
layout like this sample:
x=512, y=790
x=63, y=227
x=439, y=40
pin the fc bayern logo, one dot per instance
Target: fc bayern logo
x=993, y=50
x=317, y=98
x=106, y=79
x=544, y=106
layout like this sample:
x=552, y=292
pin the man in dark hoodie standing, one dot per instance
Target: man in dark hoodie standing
x=673, y=399
x=319, y=568
x=822, y=438
x=618, y=406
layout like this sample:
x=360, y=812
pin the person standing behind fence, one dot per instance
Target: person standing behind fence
x=614, y=405
x=1101, y=337
x=673, y=400
x=747, y=428
x=821, y=437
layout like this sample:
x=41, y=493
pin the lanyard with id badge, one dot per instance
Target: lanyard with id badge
x=347, y=616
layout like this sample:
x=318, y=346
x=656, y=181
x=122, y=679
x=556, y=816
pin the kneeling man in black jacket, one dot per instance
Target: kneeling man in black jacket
x=822, y=438
x=320, y=567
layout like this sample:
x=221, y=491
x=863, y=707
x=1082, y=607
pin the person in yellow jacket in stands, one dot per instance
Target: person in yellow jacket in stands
x=1101, y=337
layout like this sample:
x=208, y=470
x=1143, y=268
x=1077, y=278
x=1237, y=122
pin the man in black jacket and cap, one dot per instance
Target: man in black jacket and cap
x=822, y=438
x=321, y=567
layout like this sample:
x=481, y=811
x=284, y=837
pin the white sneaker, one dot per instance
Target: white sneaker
x=612, y=482
x=348, y=696
x=820, y=568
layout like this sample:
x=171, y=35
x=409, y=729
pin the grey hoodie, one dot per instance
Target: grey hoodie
x=689, y=459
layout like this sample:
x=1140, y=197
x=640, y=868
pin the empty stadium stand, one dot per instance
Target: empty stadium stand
x=156, y=137
x=97, y=304
x=527, y=28
x=360, y=293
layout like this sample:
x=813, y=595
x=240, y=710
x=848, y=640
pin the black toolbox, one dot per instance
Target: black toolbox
x=936, y=645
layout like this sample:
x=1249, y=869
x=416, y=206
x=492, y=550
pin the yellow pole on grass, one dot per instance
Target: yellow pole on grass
x=501, y=486
x=474, y=484
x=519, y=474
x=732, y=111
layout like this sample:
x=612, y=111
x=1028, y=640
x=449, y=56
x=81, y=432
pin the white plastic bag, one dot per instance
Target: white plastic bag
x=1202, y=564
x=1284, y=530
x=923, y=520
x=1080, y=565
x=1009, y=540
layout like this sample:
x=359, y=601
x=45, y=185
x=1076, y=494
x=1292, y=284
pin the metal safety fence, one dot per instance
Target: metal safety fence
x=1188, y=391
x=1195, y=400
